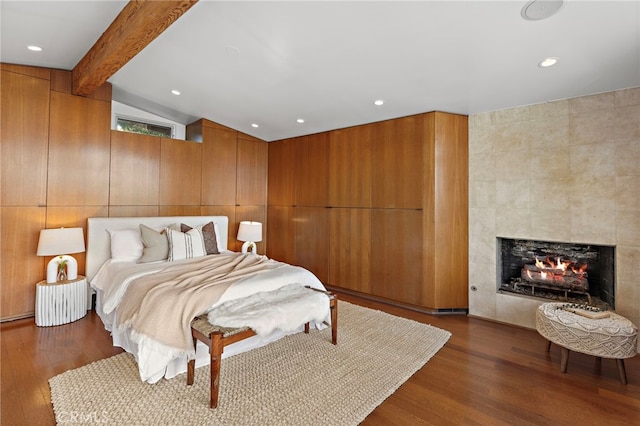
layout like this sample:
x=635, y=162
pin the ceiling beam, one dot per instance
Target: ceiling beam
x=137, y=25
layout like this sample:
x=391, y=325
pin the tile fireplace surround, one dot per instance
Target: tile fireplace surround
x=565, y=170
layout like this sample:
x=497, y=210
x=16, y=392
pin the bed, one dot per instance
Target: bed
x=145, y=301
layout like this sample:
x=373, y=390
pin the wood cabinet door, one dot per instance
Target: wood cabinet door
x=180, y=173
x=350, y=249
x=280, y=233
x=219, y=166
x=251, y=173
x=311, y=240
x=451, y=213
x=24, y=139
x=350, y=167
x=281, y=180
x=396, y=255
x=398, y=163
x=135, y=169
x=21, y=269
x=79, y=151
x=312, y=170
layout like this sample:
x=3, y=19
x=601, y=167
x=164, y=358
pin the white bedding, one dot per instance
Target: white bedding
x=156, y=361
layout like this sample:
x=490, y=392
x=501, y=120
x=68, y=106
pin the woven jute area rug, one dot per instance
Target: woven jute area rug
x=299, y=380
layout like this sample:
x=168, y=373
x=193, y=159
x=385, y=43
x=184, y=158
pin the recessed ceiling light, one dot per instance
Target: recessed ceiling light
x=549, y=62
x=540, y=9
x=300, y=120
x=35, y=48
x=378, y=102
x=254, y=125
x=176, y=92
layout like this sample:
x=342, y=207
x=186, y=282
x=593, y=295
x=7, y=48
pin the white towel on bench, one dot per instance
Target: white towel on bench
x=286, y=309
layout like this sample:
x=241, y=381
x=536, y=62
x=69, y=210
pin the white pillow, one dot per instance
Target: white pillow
x=185, y=245
x=126, y=244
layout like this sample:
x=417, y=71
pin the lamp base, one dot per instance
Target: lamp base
x=54, y=265
x=249, y=247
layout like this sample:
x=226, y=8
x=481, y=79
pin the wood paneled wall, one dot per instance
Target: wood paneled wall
x=61, y=164
x=379, y=209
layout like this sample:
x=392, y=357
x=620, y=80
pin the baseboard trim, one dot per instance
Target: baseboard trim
x=423, y=310
x=18, y=317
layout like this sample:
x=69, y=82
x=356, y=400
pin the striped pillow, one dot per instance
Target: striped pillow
x=185, y=245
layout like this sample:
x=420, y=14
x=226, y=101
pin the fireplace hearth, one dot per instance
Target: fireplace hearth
x=558, y=271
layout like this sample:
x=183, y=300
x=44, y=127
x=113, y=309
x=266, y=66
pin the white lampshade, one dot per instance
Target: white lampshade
x=58, y=241
x=250, y=231
x=61, y=242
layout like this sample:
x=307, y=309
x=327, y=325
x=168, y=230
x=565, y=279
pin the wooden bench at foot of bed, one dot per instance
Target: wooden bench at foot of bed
x=216, y=338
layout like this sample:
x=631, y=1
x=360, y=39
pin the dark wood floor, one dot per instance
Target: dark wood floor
x=487, y=374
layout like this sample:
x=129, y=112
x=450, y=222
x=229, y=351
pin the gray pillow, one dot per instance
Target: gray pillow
x=156, y=245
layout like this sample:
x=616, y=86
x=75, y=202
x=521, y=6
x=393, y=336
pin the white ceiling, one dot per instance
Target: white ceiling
x=270, y=63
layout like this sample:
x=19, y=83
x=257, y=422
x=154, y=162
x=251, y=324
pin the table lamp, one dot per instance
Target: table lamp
x=250, y=233
x=61, y=242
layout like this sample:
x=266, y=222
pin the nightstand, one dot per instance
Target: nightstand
x=62, y=302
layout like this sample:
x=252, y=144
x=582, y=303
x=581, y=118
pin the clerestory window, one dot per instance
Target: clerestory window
x=136, y=126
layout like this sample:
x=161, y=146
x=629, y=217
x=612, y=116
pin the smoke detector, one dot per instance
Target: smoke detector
x=536, y=10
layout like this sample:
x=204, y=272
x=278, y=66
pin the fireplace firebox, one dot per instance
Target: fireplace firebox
x=577, y=273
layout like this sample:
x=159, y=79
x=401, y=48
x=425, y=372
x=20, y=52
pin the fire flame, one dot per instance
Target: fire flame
x=556, y=271
x=560, y=265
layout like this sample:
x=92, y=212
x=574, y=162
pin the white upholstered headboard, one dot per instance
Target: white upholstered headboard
x=99, y=240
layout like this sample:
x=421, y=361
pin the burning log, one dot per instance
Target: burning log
x=555, y=276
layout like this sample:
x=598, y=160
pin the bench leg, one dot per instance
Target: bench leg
x=621, y=371
x=564, y=360
x=216, y=355
x=191, y=365
x=333, y=308
x=334, y=321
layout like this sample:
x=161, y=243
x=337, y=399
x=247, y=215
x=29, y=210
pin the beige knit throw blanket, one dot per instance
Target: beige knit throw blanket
x=161, y=306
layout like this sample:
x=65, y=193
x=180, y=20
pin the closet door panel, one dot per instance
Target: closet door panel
x=311, y=242
x=252, y=173
x=79, y=151
x=20, y=269
x=281, y=173
x=396, y=257
x=280, y=232
x=397, y=163
x=350, y=249
x=451, y=211
x=180, y=173
x=219, y=167
x=135, y=169
x=312, y=170
x=24, y=139
x=350, y=167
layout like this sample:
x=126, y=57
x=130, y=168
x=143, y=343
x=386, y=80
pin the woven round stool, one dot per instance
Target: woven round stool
x=612, y=337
